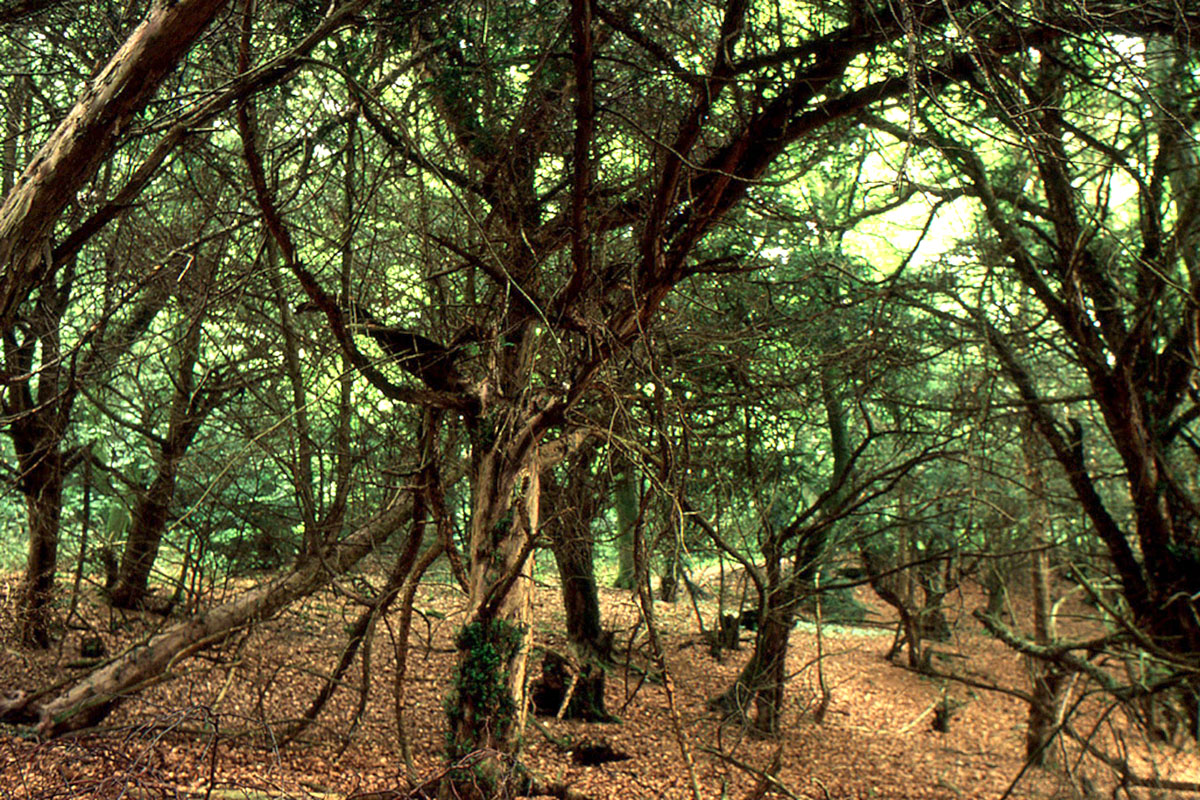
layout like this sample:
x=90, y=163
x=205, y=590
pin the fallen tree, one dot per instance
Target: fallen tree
x=89, y=700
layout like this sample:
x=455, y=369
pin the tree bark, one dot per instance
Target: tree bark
x=760, y=684
x=84, y=139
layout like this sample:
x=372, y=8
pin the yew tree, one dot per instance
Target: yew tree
x=524, y=185
x=1083, y=281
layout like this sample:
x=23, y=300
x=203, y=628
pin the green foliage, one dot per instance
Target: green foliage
x=841, y=607
x=480, y=696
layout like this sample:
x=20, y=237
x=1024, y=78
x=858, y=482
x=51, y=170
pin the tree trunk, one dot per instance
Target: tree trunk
x=189, y=408
x=569, y=509
x=91, y=699
x=761, y=682
x=1048, y=680
x=894, y=588
x=145, y=536
x=84, y=139
x=771, y=648
x=44, y=508
x=763, y=678
x=626, y=501
x=995, y=586
x=487, y=707
x=38, y=424
x=573, y=553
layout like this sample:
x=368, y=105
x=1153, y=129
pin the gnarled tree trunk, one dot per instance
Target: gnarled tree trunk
x=487, y=706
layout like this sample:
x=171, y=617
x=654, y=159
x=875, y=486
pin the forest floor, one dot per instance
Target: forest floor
x=212, y=731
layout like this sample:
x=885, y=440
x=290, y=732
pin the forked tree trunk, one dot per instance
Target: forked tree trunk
x=92, y=698
x=189, y=408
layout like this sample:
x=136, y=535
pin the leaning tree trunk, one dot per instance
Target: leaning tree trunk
x=84, y=139
x=92, y=698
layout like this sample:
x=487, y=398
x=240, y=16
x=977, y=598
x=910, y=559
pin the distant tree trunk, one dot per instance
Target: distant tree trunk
x=145, y=535
x=43, y=502
x=995, y=585
x=189, y=407
x=776, y=628
x=763, y=678
x=626, y=501
x=1048, y=680
x=38, y=426
x=894, y=588
x=668, y=582
x=761, y=682
x=935, y=583
x=569, y=514
x=893, y=577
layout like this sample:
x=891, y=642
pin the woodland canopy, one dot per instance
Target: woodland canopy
x=759, y=307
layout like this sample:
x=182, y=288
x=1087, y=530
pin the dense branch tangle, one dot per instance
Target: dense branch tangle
x=521, y=196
